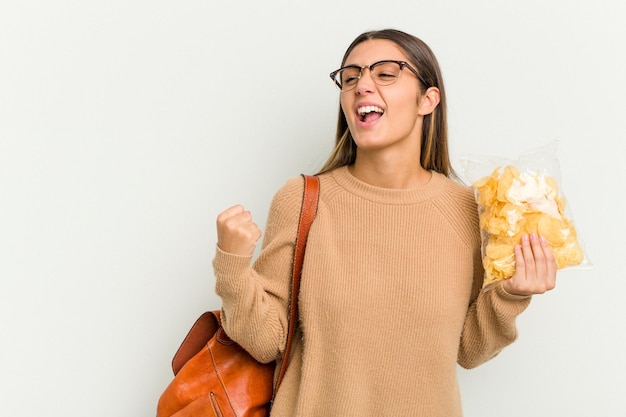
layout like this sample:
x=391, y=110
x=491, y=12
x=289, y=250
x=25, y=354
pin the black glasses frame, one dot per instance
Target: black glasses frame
x=402, y=64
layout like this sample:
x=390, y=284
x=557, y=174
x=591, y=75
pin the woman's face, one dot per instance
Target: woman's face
x=380, y=117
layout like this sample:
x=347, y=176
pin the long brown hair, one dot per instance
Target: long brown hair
x=434, y=153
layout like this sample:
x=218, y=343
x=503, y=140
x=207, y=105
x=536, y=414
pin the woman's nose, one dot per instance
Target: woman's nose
x=365, y=84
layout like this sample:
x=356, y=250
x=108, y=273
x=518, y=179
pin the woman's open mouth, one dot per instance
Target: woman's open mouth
x=369, y=113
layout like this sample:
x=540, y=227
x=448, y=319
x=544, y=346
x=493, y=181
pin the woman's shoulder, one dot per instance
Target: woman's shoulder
x=458, y=204
x=285, y=207
x=455, y=192
x=289, y=194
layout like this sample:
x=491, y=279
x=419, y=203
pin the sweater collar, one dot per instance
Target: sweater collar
x=428, y=191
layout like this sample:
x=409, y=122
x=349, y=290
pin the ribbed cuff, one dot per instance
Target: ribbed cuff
x=509, y=305
x=230, y=271
x=508, y=296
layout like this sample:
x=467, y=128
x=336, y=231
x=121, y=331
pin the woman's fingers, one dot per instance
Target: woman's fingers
x=550, y=262
x=535, y=267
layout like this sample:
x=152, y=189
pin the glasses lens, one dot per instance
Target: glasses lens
x=385, y=73
x=348, y=77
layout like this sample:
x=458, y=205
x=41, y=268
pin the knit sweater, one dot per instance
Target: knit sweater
x=390, y=299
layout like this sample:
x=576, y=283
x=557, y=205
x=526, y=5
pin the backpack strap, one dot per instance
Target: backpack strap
x=307, y=214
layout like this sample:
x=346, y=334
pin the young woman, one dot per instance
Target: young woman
x=391, y=298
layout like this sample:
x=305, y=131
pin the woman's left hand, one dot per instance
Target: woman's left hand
x=535, y=268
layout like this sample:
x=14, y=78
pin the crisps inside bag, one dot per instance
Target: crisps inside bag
x=518, y=197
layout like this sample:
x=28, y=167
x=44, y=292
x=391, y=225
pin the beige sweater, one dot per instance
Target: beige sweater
x=390, y=299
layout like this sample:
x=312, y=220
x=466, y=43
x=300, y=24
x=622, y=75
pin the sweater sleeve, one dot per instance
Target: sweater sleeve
x=490, y=321
x=490, y=324
x=255, y=297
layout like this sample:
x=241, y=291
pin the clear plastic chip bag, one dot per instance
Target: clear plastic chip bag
x=520, y=197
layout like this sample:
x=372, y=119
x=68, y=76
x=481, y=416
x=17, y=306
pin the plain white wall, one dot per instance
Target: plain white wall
x=127, y=126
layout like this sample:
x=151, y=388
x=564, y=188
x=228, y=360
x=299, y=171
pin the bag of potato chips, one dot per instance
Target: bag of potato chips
x=518, y=197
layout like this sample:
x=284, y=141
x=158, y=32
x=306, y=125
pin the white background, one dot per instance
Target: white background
x=126, y=126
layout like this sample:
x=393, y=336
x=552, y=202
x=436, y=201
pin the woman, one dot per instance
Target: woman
x=391, y=295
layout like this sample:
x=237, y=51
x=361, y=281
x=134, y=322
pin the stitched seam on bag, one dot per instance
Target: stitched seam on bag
x=216, y=407
x=219, y=377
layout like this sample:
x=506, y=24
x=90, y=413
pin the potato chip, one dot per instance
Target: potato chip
x=554, y=230
x=499, y=250
x=488, y=187
x=505, y=183
x=570, y=254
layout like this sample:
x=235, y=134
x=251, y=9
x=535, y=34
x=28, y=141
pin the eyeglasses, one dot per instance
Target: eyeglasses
x=382, y=72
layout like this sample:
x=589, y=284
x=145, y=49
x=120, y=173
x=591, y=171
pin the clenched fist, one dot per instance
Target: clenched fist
x=236, y=232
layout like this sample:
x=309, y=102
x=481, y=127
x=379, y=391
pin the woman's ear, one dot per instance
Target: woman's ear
x=429, y=101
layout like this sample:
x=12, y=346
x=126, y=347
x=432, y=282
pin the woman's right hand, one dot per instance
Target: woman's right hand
x=236, y=232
